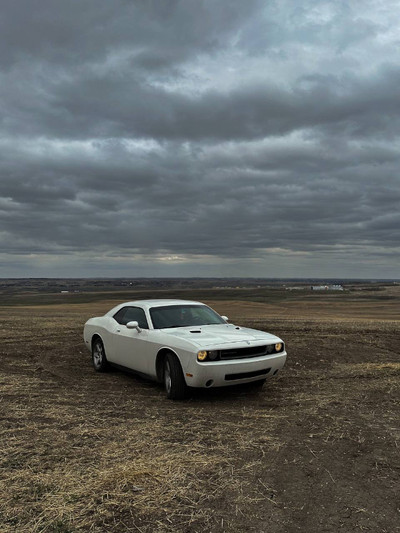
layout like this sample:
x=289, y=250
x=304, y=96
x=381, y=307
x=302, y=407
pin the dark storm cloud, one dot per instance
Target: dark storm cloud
x=159, y=33
x=92, y=104
x=216, y=129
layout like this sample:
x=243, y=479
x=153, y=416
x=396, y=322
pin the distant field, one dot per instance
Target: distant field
x=381, y=302
x=315, y=450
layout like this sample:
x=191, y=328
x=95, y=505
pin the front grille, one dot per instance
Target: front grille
x=246, y=375
x=251, y=351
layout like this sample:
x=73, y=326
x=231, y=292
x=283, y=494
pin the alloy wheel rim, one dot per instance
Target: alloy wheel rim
x=97, y=355
x=167, y=377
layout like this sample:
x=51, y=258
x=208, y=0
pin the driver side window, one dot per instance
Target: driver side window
x=128, y=314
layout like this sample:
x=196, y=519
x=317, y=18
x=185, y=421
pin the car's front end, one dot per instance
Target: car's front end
x=235, y=365
x=225, y=355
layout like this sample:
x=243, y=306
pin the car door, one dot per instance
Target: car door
x=132, y=347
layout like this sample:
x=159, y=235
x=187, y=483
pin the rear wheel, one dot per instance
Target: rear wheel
x=99, y=358
x=174, y=382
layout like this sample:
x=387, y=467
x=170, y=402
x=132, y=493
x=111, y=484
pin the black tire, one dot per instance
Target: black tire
x=258, y=384
x=174, y=382
x=99, y=359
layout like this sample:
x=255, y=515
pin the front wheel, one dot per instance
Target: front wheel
x=99, y=358
x=174, y=382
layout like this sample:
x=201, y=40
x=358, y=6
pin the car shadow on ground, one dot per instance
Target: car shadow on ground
x=194, y=394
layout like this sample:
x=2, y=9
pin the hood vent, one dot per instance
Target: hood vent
x=195, y=331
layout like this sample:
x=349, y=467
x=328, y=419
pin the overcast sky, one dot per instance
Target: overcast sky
x=200, y=138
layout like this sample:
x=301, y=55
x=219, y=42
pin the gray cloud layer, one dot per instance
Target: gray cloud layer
x=176, y=137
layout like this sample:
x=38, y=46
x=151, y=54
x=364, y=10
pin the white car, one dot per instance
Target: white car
x=183, y=344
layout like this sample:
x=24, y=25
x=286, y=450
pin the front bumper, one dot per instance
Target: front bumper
x=233, y=372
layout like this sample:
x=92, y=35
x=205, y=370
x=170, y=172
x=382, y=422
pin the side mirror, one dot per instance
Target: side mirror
x=133, y=325
x=225, y=318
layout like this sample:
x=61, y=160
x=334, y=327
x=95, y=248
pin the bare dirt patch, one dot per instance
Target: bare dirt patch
x=315, y=450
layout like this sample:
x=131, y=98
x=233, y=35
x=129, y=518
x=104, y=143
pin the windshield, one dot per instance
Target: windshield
x=178, y=316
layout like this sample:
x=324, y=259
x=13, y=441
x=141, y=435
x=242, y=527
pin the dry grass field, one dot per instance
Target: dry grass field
x=316, y=450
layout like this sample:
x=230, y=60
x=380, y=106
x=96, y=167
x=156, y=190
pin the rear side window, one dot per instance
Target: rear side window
x=129, y=314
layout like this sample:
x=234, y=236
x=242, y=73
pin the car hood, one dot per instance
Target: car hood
x=221, y=335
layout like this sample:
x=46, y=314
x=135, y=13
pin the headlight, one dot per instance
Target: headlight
x=202, y=355
x=278, y=346
x=205, y=355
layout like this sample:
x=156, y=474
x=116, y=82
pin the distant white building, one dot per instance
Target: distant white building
x=327, y=288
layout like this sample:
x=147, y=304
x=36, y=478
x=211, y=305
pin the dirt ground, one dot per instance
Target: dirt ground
x=315, y=450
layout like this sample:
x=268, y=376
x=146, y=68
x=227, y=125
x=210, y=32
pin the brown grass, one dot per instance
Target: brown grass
x=315, y=450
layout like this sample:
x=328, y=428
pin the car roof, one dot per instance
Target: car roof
x=147, y=304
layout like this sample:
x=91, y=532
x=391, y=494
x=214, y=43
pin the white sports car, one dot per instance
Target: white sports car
x=182, y=343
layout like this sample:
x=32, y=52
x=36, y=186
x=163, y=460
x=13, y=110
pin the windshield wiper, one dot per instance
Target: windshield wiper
x=191, y=325
x=176, y=326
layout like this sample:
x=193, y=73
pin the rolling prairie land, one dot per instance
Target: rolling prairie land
x=315, y=450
